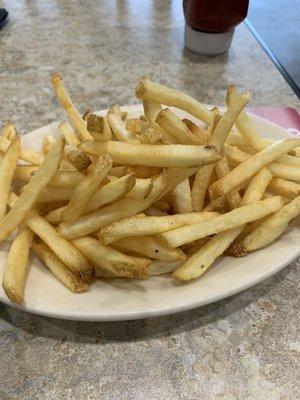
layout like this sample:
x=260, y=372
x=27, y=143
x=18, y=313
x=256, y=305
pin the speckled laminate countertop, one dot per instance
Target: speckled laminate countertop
x=245, y=347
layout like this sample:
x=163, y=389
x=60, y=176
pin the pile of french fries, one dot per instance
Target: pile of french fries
x=137, y=197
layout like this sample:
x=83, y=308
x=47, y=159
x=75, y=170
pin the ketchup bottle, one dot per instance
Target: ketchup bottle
x=210, y=24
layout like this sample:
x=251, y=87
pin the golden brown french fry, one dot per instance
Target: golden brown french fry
x=251, y=166
x=223, y=222
x=272, y=227
x=151, y=110
x=235, y=139
x=17, y=264
x=222, y=169
x=99, y=127
x=136, y=125
x=200, y=185
x=117, y=126
x=32, y=191
x=182, y=198
x=66, y=102
x=147, y=90
x=284, y=188
x=85, y=190
x=112, y=260
x=201, y=133
x=111, y=192
x=47, y=207
x=148, y=246
x=257, y=186
x=68, y=253
x=58, y=268
x=76, y=157
x=141, y=189
x=69, y=134
x=169, y=155
x=141, y=226
x=51, y=194
x=225, y=123
x=25, y=154
x=113, y=212
x=247, y=129
x=156, y=268
x=7, y=170
x=151, y=135
x=172, y=124
x=8, y=131
x=279, y=170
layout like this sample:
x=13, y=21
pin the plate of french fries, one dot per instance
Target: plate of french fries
x=145, y=210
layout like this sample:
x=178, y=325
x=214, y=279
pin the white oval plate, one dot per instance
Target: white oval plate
x=124, y=300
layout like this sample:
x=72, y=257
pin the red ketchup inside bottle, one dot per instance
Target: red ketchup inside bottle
x=210, y=23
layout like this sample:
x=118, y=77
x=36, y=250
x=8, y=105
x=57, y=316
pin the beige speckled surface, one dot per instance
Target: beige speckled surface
x=245, y=347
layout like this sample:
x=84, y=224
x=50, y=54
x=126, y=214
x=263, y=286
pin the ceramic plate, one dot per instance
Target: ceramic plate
x=123, y=300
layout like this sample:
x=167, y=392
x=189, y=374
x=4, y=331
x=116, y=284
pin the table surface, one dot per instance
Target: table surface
x=242, y=348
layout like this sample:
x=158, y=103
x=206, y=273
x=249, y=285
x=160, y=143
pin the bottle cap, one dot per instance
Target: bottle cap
x=207, y=43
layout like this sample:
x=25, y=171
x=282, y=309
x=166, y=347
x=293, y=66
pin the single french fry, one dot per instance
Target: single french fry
x=174, y=176
x=112, y=260
x=156, y=268
x=8, y=131
x=202, y=134
x=251, y=166
x=233, y=197
x=223, y=222
x=99, y=127
x=227, y=120
x=142, y=226
x=73, y=259
x=200, y=185
x=111, y=192
x=279, y=170
x=85, y=190
x=247, y=129
x=54, y=217
x=182, y=198
x=69, y=134
x=17, y=264
x=147, y=90
x=32, y=191
x=136, y=125
x=141, y=189
x=58, y=268
x=235, y=139
x=151, y=110
x=117, y=126
x=7, y=170
x=78, y=158
x=169, y=155
x=171, y=123
x=272, y=227
x=113, y=212
x=284, y=187
x=25, y=154
x=148, y=246
x=257, y=186
x=51, y=194
x=67, y=104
